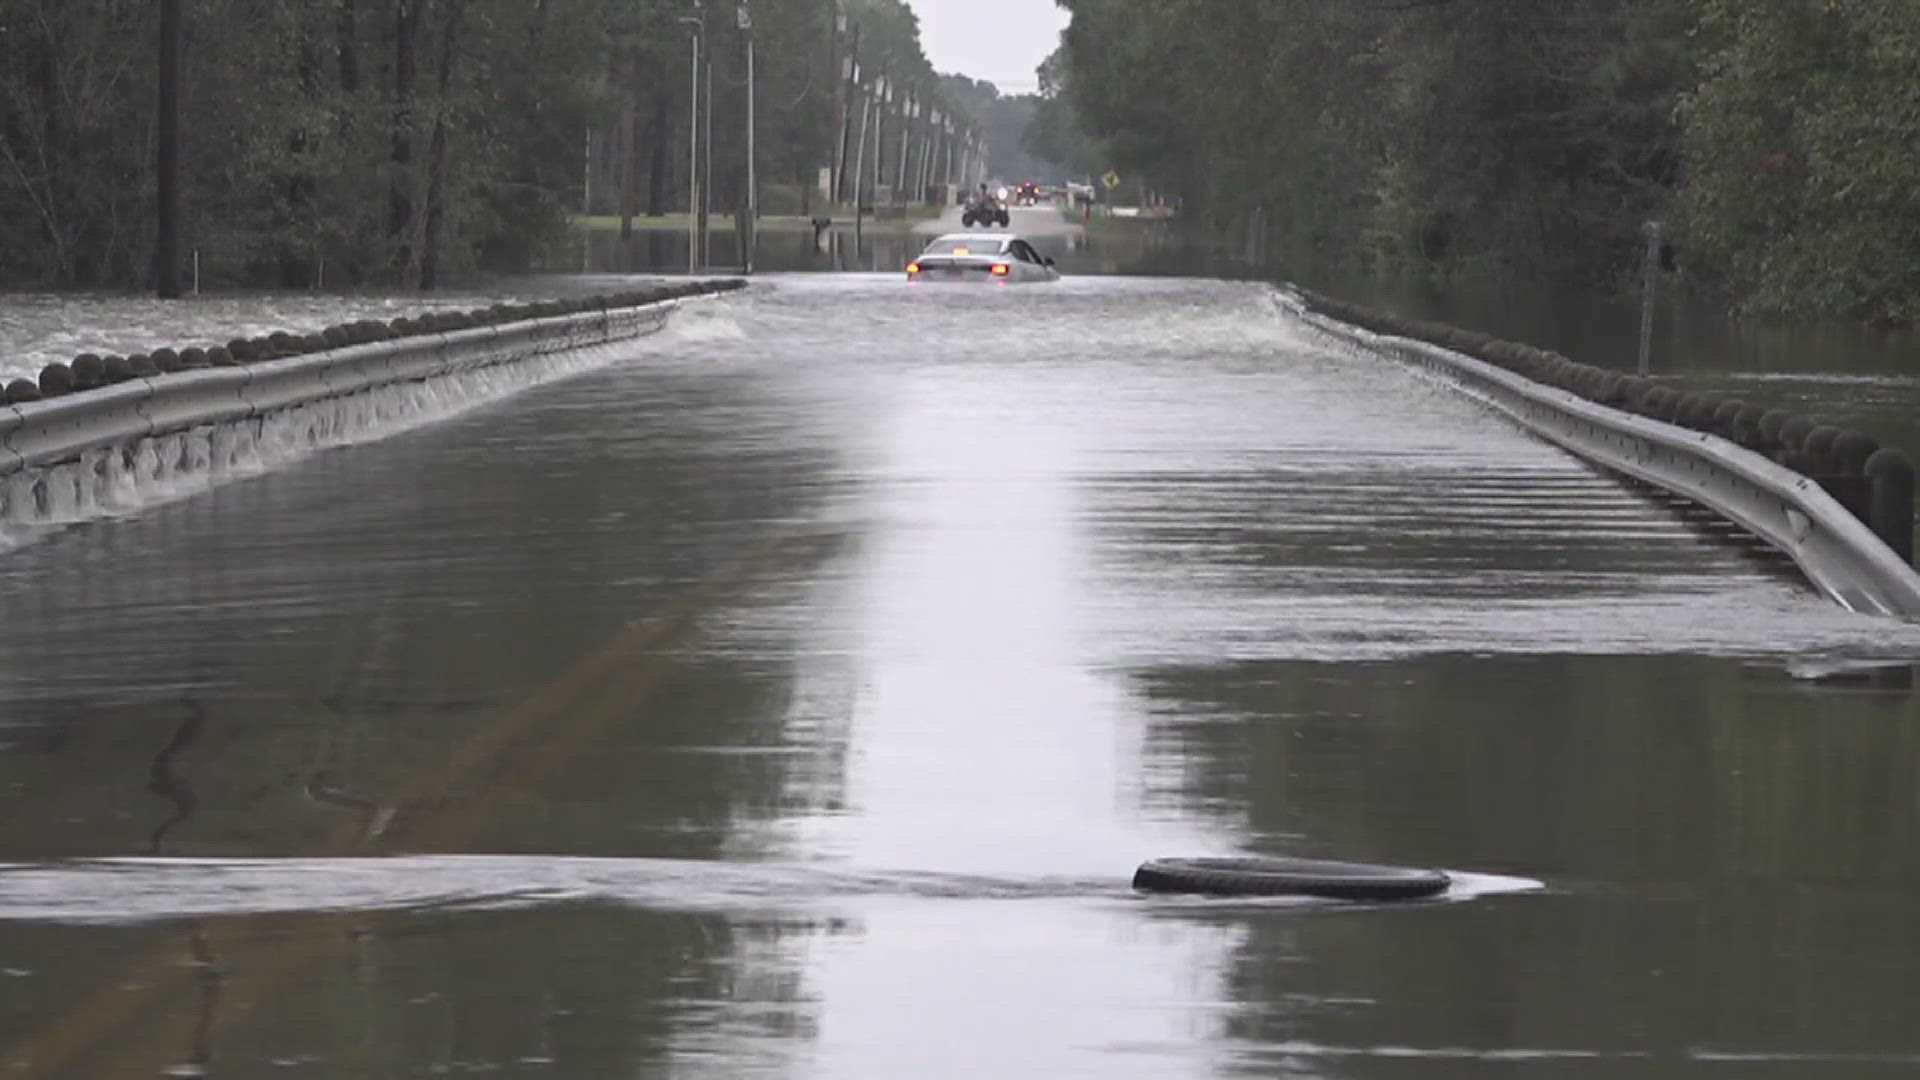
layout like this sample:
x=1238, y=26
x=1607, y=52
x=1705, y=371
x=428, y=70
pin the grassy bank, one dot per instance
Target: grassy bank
x=1108, y=225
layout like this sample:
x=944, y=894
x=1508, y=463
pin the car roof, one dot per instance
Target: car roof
x=960, y=236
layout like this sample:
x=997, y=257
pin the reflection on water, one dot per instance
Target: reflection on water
x=796, y=694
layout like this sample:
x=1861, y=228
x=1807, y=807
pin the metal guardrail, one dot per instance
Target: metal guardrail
x=1839, y=554
x=61, y=429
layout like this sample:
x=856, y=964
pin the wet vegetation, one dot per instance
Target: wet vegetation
x=1777, y=140
x=321, y=143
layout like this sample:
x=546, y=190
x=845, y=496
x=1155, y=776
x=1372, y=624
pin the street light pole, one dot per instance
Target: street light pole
x=706, y=152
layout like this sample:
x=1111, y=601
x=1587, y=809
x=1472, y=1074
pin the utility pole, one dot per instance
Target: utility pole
x=749, y=225
x=860, y=158
x=706, y=148
x=629, y=165
x=842, y=70
x=166, y=159
x=693, y=152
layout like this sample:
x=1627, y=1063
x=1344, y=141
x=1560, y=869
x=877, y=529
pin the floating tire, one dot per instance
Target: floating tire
x=1288, y=877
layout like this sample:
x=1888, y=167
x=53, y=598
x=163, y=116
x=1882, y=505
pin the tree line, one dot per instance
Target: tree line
x=323, y=143
x=1778, y=141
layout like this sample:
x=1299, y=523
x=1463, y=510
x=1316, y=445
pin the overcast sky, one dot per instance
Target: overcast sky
x=1001, y=41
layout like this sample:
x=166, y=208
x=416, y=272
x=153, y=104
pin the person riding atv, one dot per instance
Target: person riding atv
x=984, y=210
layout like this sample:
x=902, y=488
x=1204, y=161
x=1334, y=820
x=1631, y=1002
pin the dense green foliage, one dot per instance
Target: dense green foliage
x=338, y=140
x=402, y=141
x=1803, y=139
x=1779, y=139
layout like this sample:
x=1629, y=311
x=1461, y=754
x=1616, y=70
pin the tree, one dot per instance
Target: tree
x=1434, y=136
x=1803, y=141
x=1055, y=133
x=166, y=169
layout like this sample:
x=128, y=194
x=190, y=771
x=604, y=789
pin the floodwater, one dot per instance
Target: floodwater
x=794, y=694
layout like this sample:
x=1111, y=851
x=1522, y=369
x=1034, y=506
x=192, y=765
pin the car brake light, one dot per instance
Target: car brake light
x=999, y=269
x=913, y=268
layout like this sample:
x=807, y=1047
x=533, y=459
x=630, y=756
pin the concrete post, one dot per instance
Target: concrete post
x=1653, y=230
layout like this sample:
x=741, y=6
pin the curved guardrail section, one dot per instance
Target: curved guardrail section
x=64, y=428
x=1836, y=550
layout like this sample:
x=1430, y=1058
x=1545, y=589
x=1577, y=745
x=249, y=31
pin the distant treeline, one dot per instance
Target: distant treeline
x=1777, y=140
x=340, y=142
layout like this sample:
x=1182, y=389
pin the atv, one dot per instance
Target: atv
x=985, y=210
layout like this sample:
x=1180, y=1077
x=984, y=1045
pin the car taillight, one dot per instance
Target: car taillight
x=999, y=269
x=913, y=268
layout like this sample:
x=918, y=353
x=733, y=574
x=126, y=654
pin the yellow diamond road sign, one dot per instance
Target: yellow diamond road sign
x=1112, y=179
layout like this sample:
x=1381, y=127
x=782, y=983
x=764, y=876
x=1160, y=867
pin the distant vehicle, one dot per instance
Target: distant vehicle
x=986, y=258
x=1027, y=194
x=985, y=209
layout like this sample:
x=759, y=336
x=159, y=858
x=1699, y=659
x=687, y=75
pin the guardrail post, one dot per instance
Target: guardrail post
x=1646, y=300
x=1816, y=449
x=1892, y=516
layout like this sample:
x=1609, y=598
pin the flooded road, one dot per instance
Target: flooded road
x=796, y=695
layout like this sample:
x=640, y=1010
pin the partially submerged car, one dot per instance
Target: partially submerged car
x=981, y=257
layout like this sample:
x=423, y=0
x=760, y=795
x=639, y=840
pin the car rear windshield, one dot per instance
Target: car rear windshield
x=968, y=246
